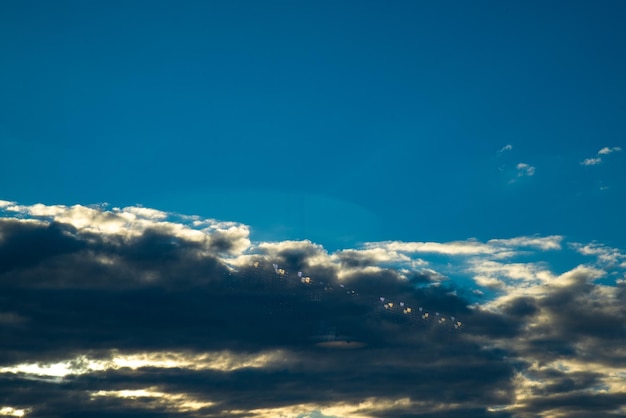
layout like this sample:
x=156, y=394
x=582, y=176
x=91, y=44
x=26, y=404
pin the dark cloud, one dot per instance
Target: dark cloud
x=26, y=245
x=521, y=307
x=221, y=332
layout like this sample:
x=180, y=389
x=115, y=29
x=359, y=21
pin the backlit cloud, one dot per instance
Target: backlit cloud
x=138, y=311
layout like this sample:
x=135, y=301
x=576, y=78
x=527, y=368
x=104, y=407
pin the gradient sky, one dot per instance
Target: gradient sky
x=465, y=157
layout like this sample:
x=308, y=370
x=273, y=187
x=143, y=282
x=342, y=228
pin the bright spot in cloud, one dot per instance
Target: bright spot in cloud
x=224, y=361
x=13, y=412
x=178, y=401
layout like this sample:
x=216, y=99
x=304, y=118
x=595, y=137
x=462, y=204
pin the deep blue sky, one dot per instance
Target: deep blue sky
x=335, y=121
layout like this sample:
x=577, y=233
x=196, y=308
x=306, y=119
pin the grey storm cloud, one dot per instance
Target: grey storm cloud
x=137, y=312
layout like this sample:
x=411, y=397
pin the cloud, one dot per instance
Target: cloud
x=606, y=257
x=139, y=312
x=498, y=248
x=591, y=161
x=552, y=242
x=520, y=170
x=448, y=248
x=609, y=150
x=507, y=147
x=524, y=169
x=598, y=159
x=13, y=412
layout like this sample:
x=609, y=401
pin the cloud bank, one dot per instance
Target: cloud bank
x=138, y=312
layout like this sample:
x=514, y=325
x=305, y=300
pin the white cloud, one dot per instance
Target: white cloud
x=607, y=257
x=488, y=282
x=147, y=213
x=448, y=248
x=608, y=150
x=552, y=242
x=498, y=248
x=591, y=161
x=514, y=275
x=507, y=147
x=597, y=159
x=524, y=169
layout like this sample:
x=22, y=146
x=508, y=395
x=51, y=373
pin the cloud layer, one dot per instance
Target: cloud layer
x=138, y=312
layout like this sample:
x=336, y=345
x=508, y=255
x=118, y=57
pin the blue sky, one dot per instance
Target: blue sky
x=397, y=111
x=475, y=149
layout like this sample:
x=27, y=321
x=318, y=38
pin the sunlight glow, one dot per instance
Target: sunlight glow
x=179, y=402
x=222, y=360
x=13, y=412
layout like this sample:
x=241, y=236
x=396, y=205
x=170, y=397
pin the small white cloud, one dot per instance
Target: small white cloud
x=507, y=147
x=597, y=159
x=606, y=256
x=448, y=248
x=591, y=161
x=608, y=150
x=552, y=242
x=524, y=169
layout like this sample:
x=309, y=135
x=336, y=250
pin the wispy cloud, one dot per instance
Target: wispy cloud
x=507, y=147
x=591, y=161
x=607, y=257
x=598, y=159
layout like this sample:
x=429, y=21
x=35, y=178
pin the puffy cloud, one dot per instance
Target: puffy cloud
x=131, y=311
x=524, y=169
x=606, y=257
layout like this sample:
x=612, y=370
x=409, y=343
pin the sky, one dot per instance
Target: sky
x=312, y=209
